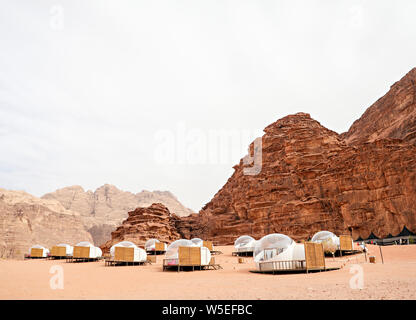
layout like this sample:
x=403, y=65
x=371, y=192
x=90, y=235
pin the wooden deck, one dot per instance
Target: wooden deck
x=188, y=267
x=115, y=263
x=243, y=253
x=75, y=260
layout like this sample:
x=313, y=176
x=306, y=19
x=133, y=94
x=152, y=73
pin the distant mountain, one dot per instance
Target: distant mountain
x=26, y=220
x=106, y=208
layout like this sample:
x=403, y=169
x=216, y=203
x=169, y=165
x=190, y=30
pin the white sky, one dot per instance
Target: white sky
x=88, y=88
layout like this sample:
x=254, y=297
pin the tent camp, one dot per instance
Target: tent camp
x=126, y=252
x=155, y=246
x=185, y=253
x=85, y=251
x=244, y=246
x=62, y=250
x=37, y=251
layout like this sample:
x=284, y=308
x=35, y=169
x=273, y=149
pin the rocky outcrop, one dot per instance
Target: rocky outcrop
x=142, y=224
x=26, y=220
x=311, y=180
x=105, y=208
x=393, y=116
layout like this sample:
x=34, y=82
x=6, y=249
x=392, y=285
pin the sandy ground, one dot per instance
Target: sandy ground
x=395, y=279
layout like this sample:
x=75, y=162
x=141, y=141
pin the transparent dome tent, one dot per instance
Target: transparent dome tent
x=172, y=252
x=39, y=251
x=94, y=251
x=244, y=244
x=155, y=245
x=198, y=242
x=139, y=255
x=329, y=240
x=278, y=247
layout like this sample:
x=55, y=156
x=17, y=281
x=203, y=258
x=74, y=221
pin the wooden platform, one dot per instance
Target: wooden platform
x=182, y=267
x=74, y=260
x=114, y=263
x=56, y=257
x=243, y=253
x=155, y=252
x=29, y=257
x=293, y=271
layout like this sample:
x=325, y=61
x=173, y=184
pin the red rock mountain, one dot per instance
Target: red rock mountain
x=143, y=224
x=392, y=116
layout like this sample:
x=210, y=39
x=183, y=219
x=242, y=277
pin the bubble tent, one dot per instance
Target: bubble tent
x=329, y=241
x=69, y=250
x=173, y=248
x=172, y=252
x=198, y=242
x=278, y=247
x=244, y=244
x=94, y=252
x=139, y=254
x=150, y=245
x=45, y=251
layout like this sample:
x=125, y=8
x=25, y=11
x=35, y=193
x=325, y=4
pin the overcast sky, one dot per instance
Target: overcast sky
x=167, y=95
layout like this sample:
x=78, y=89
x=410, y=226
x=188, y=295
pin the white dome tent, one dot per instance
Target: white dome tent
x=38, y=251
x=198, y=242
x=329, y=240
x=177, y=255
x=244, y=245
x=155, y=245
x=69, y=250
x=62, y=250
x=277, y=248
x=138, y=254
x=86, y=250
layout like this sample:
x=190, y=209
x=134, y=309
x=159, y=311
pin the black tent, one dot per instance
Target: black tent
x=405, y=233
x=389, y=236
x=359, y=239
x=372, y=236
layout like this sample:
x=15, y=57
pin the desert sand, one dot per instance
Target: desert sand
x=395, y=279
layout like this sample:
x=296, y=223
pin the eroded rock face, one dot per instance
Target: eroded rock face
x=105, y=209
x=392, y=116
x=26, y=220
x=142, y=224
x=311, y=180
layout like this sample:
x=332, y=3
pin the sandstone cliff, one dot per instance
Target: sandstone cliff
x=143, y=224
x=392, y=116
x=26, y=220
x=105, y=208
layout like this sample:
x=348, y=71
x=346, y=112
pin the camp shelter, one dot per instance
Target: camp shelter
x=62, y=250
x=86, y=250
x=126, y=252
x=330, y=242
x=38, y=251
x=185, y=253
x=244, y=246
x=278, y=247
x=154, y=246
